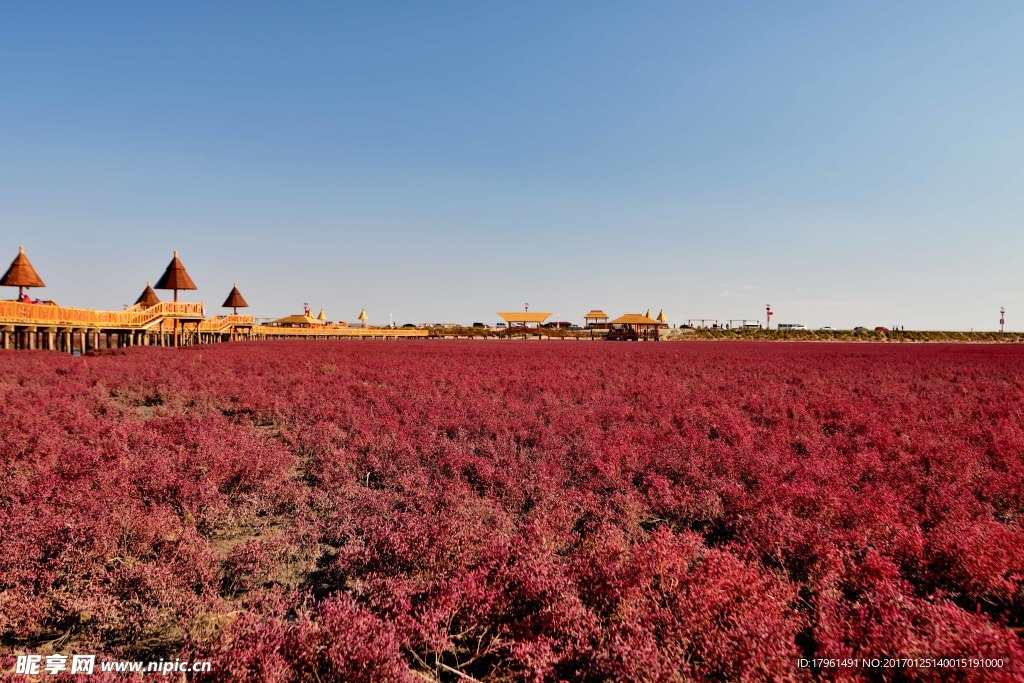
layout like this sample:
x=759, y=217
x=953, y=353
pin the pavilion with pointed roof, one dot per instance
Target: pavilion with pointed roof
x=21, y=274
x=148, y=297
x=175, y=277
x=596, y=318
x=235, y=299
x=322, y=317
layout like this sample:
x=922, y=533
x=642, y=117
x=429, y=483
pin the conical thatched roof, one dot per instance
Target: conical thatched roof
x=648, y=313
x=148, y=297
x=21, y=273
x=175, y=277
x=363, y=316
x=322, y=317
x=235, y=299
x=661, y=316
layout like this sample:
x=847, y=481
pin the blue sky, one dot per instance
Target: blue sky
x=849, y=163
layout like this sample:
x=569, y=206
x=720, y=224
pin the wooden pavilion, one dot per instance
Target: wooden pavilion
x=147, y=298
x=596, y=318
x=303, y=320
x=22, y=275
x=176, y=278
x=635, y=327
x=524, y=318
x=235, y=300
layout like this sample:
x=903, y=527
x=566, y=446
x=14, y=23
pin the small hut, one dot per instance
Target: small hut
x=596, y=318
x=148, y=297
x=175, y=277
x=363, y=318
x=21, y=274
x=661, y=318
x=322, y=317
x=235, y=299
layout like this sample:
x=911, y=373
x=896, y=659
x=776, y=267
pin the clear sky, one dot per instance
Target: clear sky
x=849, y=163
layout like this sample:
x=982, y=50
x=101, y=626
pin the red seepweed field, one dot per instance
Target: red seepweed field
x=505, y=511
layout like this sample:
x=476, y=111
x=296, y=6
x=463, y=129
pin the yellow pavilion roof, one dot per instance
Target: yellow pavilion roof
x=596, y=314
x=296, y=319
x=524, y=316
x=634, y=319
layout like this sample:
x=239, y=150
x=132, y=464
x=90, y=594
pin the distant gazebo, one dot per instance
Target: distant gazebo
x=322, y=317
x=235, y=300
x=148, y=297
x=363, y=318
x=634, y=326
x=21, y=274
x=175, y=277
x=661, y=318
x=596, y=318
x=304, y=320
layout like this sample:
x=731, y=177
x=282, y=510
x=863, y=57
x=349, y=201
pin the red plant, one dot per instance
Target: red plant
x=543, y=511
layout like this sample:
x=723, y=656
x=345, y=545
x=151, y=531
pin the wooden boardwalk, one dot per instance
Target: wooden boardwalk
x=168, y=323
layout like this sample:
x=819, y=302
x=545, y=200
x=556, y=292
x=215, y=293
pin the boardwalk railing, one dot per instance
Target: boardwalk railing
x=224, y=322
x=18, y=313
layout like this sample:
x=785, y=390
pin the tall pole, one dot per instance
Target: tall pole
x=768, y=316
x=175, y=342
x=1002, y=319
